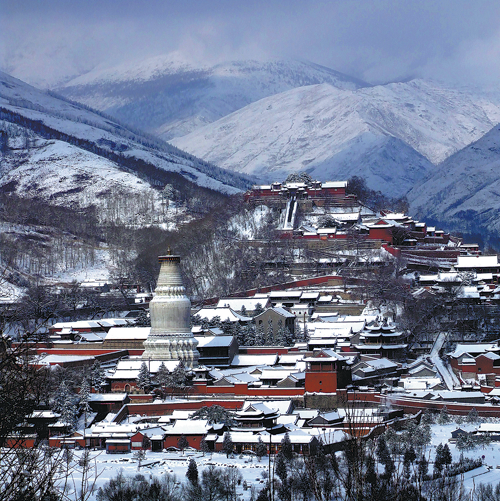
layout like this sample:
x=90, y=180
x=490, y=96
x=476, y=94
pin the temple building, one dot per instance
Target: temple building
x=171, y=337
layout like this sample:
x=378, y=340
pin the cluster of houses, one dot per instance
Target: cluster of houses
x=343, y=355
x=333, y=214
x=173, y=426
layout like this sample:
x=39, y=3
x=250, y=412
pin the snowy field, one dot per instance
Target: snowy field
x=159, y=463
x=175, y=463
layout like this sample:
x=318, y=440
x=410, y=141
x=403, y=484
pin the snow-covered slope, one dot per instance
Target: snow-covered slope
x=67, y=175
x=171, y=97
x=378, y=132
x=464, y=191
x=52, y=118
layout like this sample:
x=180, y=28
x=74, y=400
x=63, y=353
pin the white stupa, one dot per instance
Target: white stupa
x=171, y=337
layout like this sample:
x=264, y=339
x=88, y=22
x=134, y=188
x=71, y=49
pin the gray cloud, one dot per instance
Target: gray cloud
x=377, y=40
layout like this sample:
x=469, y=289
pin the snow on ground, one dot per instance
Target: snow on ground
x=159, y=463
x=490, y=455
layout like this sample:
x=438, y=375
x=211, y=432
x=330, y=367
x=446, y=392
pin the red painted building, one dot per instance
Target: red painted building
x=326, y=372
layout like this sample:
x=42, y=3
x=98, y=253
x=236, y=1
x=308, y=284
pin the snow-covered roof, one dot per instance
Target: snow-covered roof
x=59, y=359
x=290, y=358
x=249, y=360
x=214, y=341
x=334, y=184
x=477, y=262
x=325, y=299
x=331, y=355
x=128, y=333
x=250, y=303
x=224, y=313
x=91, y=324
x=276, y=374
x=129, y=368
x=283, y=312
x=287, y=294
x=107, y=397
x=474, y=348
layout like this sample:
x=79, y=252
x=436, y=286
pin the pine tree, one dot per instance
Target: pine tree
x=258, y=310
x=446, y=456
x=61, y=397
x=261, y=449
x=98, y=376
x=260, y=336
x=443, y=417
x=143, y=319
x=280, y=466
x=204, y=446
x=281, y=335
x=182, y=443
x=178, y=380
x=227, y=444
x=243, y=311
x=85, y=399
x=144, y=377
x=162, y=375
x=385, y=457
x=438, y=459
x=473, y=416
x=269, y=334
x=286, y=447
x=192, y=472
x=69, y=412
x=423, y=467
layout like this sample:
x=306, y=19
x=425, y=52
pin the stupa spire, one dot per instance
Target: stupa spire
x=171, y=337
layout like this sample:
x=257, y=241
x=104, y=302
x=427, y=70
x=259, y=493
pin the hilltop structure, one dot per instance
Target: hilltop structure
x=171, y=337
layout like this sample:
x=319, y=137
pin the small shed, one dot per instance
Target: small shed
x=118, y=445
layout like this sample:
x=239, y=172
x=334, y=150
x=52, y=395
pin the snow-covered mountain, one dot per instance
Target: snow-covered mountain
x=167, y=96
x=389, y=134
x=464, y=191
x=58, y=150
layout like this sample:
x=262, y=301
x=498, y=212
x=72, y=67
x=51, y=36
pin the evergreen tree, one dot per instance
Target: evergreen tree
x=227, y=444
x=269, y=337
x=98, y=376
x=85, y=399
x=443, y=417
x=423, y=467
x=446, y=457
x=204, y=446
x=143, y=319
x=281, y=335
x=385, y=457
x=243, y=311
x=192, y=472
x=61, y=397
x=182, y=443
x=261, y=449
x=280, y=467
x=162, y=375
x=258, y=310
x=473, y=416
x=286, y=447
x=215, y=414
x=179, y=381
x=260, y=336
x=438, y=464
x=144, y=378
x=69, y=412
x=409, y=456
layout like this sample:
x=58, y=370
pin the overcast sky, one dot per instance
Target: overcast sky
x=376, y=40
